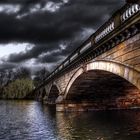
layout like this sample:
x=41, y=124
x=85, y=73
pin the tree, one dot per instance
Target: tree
x=40, y=76
x=18, y=89
x=22, y=72
x=6, y=77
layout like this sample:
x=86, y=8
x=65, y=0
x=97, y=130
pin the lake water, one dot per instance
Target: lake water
x=30, y=120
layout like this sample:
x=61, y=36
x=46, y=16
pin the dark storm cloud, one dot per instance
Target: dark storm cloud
x=47, y=27
x=7, y=65
x=49, y=58
x=63, y=21
x=18, y=1
x=32, y=53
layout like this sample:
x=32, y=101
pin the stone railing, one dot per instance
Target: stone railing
x=116, y=20
x=130, y=12
x=106, y=31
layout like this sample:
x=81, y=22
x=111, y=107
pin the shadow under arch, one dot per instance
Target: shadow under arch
x=53, y=94
x=44, y=93
x=105, y=83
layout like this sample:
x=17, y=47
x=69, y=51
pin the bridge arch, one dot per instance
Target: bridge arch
x=54, y=84
x=126, y=72
x=43, y=93
x=54, y=92
x=72, y=79
x=122, y=70
x=106, y=74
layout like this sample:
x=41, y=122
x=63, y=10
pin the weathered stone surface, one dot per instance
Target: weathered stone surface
x=110, y=81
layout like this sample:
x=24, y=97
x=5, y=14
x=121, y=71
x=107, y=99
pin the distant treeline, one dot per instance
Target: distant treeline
x=19, y=83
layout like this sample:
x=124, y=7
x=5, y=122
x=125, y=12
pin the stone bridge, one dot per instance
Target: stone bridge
x=102, y=73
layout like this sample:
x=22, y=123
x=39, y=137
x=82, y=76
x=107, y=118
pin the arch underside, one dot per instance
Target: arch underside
x=43, y=93
x=53, y=95
x=103, y=90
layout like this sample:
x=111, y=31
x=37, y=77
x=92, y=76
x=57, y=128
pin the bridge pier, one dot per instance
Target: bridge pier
x=72, y=107
x=95, y=106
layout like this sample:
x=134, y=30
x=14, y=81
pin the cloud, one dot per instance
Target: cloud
x=9, y=9
x=54, y=27
x=14, y=47
x=6, y=65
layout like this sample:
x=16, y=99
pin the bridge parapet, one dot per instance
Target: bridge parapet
x=106, y=61
x=121, y=26
x=130, y=12
x=106, y=31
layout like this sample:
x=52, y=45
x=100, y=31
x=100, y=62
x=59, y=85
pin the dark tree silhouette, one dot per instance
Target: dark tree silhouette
x=40, y=76
x=22, y=72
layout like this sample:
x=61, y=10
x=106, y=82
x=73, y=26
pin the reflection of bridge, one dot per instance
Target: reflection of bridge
x=104, y=72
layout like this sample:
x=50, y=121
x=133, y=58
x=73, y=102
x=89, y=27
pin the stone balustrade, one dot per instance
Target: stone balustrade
x=123, y=15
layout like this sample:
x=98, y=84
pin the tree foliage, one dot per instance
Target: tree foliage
x=22, y=72
x=8, y=76
x=15, y=83
x=18, y=89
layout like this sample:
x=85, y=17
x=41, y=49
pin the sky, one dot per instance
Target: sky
x=42, y=33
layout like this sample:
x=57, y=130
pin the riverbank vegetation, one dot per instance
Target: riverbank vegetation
x=18, y=89
x=20, y=83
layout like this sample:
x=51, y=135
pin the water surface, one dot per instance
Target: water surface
x=30, y=120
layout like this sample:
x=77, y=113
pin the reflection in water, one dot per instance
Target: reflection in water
x=29, y=120
x=109, y=125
